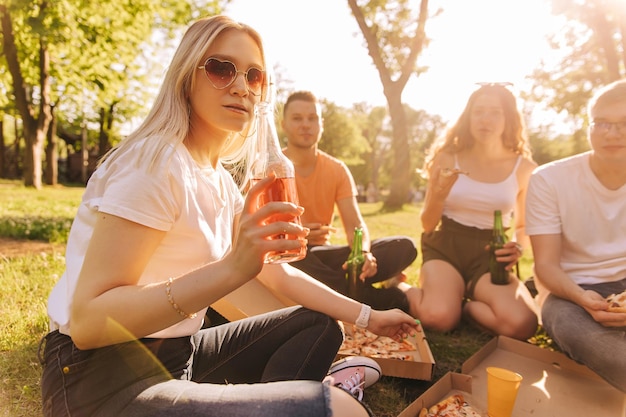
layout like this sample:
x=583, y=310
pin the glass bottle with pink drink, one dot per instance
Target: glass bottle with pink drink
x=270, y=158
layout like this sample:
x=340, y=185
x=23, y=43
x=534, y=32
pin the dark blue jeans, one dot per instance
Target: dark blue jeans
x=268, y=365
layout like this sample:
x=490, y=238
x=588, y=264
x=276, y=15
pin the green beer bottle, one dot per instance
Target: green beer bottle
x=355, y=264
x=499, y=275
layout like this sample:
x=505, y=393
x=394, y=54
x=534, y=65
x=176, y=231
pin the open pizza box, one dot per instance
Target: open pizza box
x=255, y=298
x=416, y=363
x=553, y=384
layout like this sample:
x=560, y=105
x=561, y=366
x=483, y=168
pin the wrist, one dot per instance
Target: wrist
x=364, y=317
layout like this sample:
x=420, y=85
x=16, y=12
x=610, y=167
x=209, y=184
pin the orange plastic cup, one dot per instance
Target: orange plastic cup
x=502, y=387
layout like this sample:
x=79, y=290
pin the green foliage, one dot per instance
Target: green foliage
x=591, y=45
x=342, y=136
x=103, y=62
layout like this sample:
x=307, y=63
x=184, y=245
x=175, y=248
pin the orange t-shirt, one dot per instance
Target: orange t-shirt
x=318, y=192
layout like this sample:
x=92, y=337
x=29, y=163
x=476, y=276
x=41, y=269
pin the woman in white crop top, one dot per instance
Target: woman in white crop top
x=482, y=164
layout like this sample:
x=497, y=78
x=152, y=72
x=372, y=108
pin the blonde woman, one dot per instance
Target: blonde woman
x=482, y=164
x=162, y=233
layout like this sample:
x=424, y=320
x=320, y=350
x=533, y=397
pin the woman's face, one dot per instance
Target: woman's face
x=222, y=111
x=487, y=118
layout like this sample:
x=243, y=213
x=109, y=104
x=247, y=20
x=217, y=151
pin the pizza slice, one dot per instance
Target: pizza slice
x=405, y=345
x=388, y=344
x=617, y=302
x=362, y=336
x=368, y=350
x=451, y=406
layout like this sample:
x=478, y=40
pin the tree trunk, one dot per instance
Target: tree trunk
x=84, y=155
x=35, y=128
x=401, y=175
x=103, y=137
x=2, y=148
x=399, y=189
x=52, y=157
x=14, y=166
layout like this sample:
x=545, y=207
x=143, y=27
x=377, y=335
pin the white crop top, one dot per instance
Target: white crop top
x=472, y=202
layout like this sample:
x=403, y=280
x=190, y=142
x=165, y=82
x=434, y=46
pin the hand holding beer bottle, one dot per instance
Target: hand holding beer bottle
x=499, y=274
x=355, y=263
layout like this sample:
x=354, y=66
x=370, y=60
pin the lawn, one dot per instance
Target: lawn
x=27, y=278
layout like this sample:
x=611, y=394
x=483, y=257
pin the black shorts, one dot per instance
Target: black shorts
x=461, y=246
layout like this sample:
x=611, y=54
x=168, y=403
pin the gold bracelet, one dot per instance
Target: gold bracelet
x=170, y=299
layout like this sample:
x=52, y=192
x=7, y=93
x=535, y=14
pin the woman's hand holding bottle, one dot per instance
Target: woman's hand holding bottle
x=257, y=227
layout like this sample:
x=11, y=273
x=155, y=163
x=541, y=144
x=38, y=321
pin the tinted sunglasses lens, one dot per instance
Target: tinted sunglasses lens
x=255, y=77
x=220, y=73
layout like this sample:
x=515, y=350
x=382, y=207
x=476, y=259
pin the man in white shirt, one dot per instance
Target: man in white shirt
x=576, y=220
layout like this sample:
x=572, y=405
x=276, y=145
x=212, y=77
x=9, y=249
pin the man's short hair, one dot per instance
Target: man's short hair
x=299, y=95
x=609, y=94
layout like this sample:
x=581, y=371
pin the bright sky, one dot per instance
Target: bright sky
x=319, y=47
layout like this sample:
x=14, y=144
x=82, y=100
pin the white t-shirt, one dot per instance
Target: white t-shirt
x=565, y=197
x=195, y=206
x=472, y=202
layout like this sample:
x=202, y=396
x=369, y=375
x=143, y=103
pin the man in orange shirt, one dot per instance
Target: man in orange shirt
x=323, y=182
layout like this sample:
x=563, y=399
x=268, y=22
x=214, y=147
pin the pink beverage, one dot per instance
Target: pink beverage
x=282, y=189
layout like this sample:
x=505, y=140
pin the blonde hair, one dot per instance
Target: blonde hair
x=167, y=123
x=458, y=137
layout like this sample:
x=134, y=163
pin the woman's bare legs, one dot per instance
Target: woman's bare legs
x=437, y=303
x=507, y=310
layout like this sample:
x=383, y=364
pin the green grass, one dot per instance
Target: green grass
x=27, y=280
x=37, y=214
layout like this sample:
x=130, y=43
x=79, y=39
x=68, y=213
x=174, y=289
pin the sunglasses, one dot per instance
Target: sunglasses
x=500, y=84
x=221, y=74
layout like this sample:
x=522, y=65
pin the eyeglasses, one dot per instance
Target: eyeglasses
x=605, y=127
x=221, y=74
x=499, y=84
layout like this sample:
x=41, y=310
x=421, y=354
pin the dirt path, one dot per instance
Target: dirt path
x=15, y=247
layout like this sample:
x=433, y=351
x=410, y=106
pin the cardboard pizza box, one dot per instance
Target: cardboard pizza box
x=553, y=384
x=419, y=366
x=250, y=299
x=451, y=383
x=255, y=298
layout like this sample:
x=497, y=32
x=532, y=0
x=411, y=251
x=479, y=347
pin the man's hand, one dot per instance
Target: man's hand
x=319, y=233
x=597, y=306
x=370, y=267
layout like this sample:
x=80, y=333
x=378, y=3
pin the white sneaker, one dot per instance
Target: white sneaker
x=354, y=374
